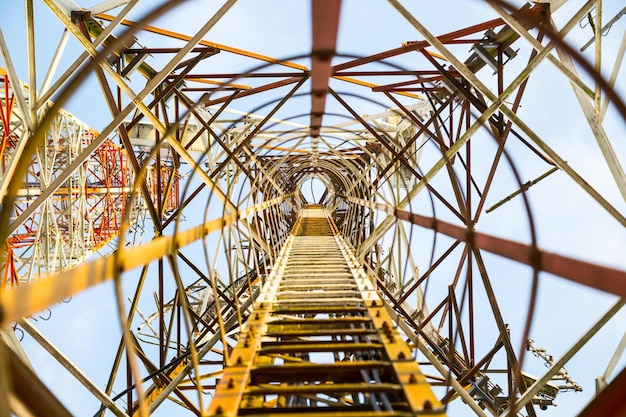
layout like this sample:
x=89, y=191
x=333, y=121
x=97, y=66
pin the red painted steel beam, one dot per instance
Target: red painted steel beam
x=252, y=91
x=404, y=84
x=417, y=73
x=413, y=89
x=33, y=396
x=596, y=276
x=413, y=46
x=167, y=50
x=611, y=402
x=239, y=76
x=325, y=21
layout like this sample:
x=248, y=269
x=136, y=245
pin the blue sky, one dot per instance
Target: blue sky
x=569, y=222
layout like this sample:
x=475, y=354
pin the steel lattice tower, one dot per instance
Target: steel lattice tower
x=312, y=207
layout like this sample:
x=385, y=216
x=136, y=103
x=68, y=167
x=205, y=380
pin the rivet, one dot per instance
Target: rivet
x=428, y=405
x=401, y=355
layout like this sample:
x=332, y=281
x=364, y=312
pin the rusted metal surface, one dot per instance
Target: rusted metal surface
x=595, y=276
x=226, y=146
x=610, y=401
x=325, y=20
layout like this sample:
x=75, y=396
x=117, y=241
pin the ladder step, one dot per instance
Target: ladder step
x=312, y=277
x=329, y=322
x=305, y=346
x=307, y=293
x=312, y=309
x=324, y=283
x=293, y=372
x=324, y=302
x=322, y=388
x=334, y=412
x=321, y=332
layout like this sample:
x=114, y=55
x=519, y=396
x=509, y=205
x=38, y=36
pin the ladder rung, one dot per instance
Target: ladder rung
x=323, y=284
x=334, y=412
x=339, y=277
x=305, y=368
x=291, y=347
x=325, y=302
x=321, y=332
x=307, y=293
x=322, y=388
x=344, y=321
x=310, y=309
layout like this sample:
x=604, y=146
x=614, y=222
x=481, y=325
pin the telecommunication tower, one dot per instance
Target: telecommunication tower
x=312, y=208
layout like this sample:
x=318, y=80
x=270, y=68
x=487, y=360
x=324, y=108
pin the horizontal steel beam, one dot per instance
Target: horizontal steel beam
x=596, y=276
x=28, y=299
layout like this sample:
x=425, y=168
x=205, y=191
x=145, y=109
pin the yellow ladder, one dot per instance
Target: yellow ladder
x=320, y=341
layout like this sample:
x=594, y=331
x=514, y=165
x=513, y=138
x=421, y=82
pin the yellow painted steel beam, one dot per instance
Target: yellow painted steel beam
x=28, y=299
x=180, y=36
x=372, y=85
x=221, y=84
x=156, y=390
x=283, y=149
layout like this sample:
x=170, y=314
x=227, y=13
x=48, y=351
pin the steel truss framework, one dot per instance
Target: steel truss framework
x=209, y=145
